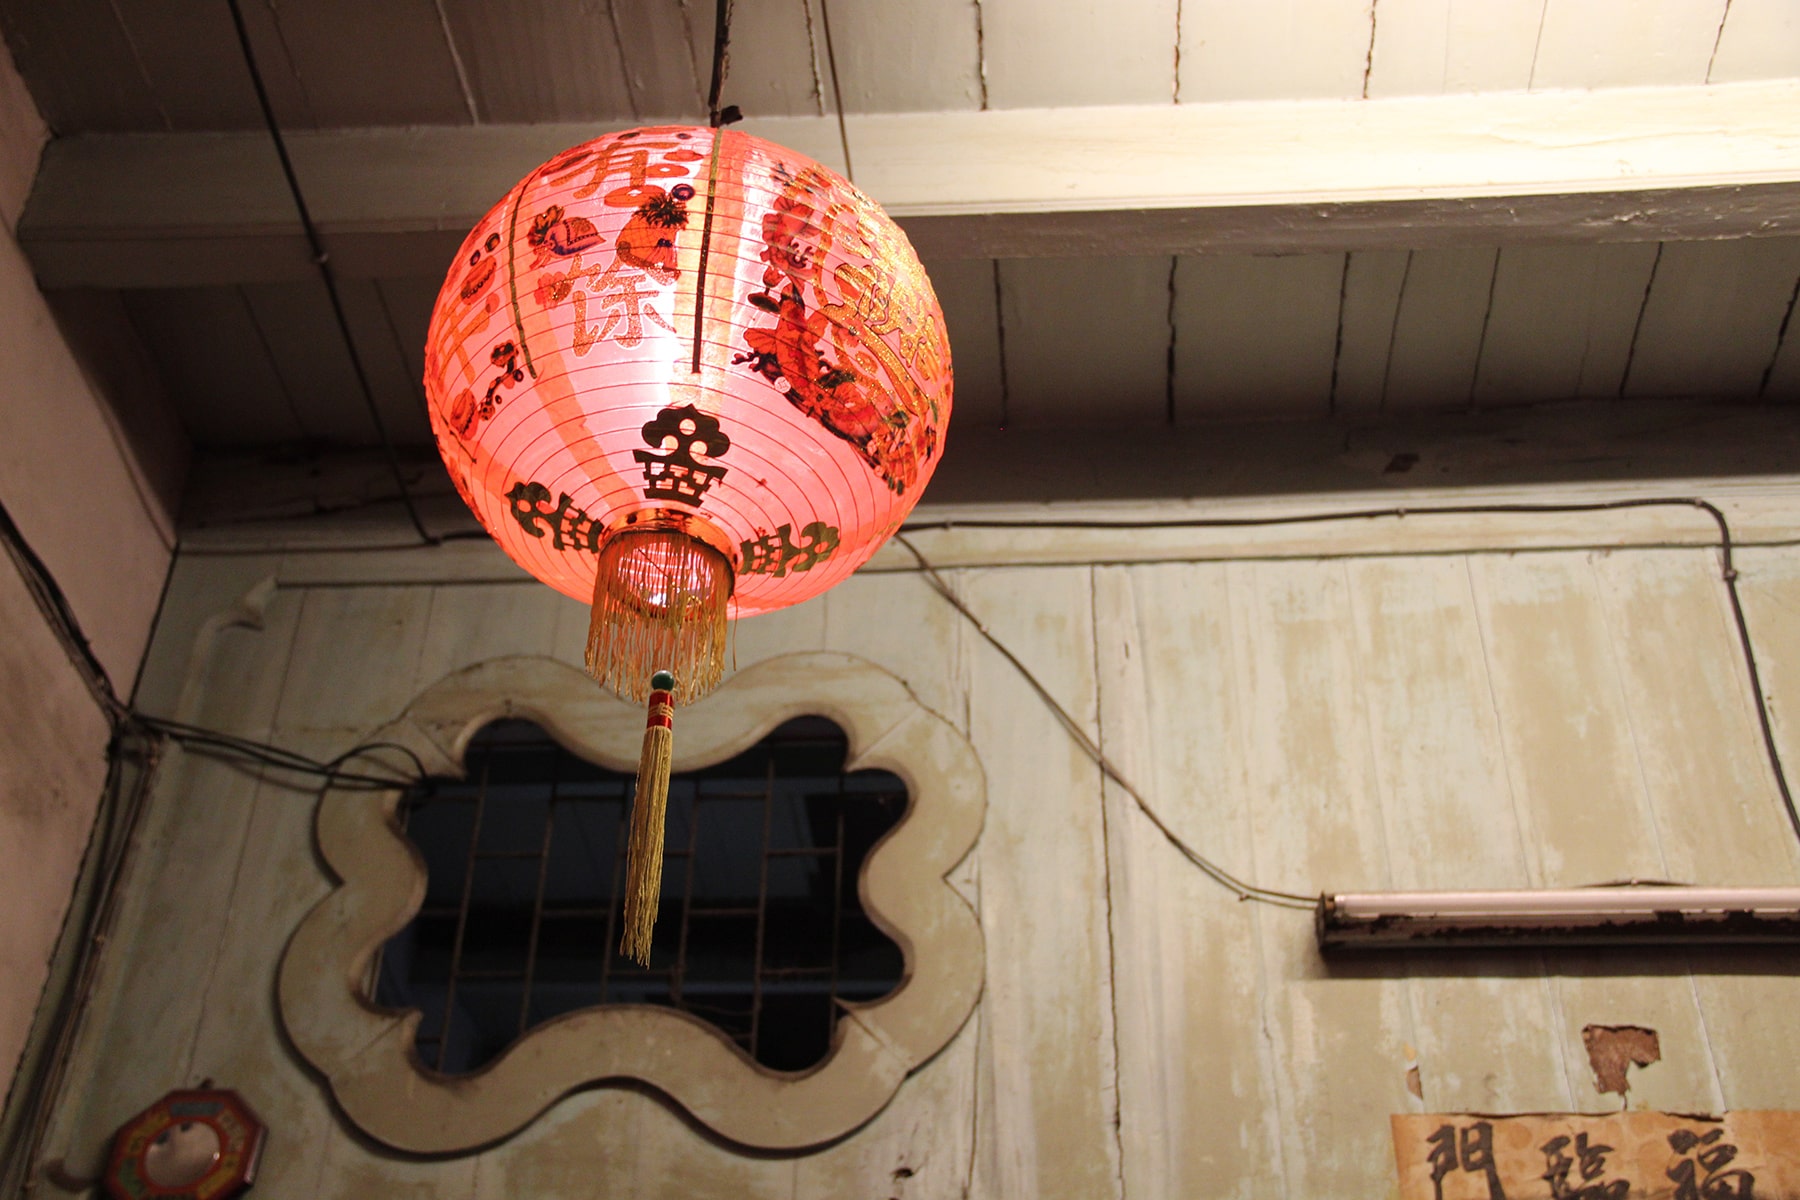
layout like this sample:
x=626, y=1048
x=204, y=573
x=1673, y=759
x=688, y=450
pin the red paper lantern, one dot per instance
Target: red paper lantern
x=685, y=373
x=694, y=362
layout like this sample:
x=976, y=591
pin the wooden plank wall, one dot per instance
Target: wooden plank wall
x=1480, y=717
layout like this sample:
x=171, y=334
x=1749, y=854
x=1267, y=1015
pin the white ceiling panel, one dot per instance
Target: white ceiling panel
x=1371, y=299
x=777, y=56
x=1078, y=52
x=387, y=349
x=1255, y=336
x=296, y=327
x=915, y=57
x=1438, y=330
x=304, y=344
x=1760, y=40
x=1561, y=321
x=1713, y=317
x=1274, y=49
x=1783, y=382
x=1622, y=275
x=575, y=66
x=1086, y=340
x=81, y=67
x=664, y=52
x=220, y=379
x=169, y=39
x=364, y=64
x=968, y=290
x=1424, y=47
x=1626, y=43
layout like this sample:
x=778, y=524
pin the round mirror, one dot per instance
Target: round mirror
x=182, y=1154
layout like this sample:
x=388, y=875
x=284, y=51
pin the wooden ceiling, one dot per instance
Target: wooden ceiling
x=1136, y=214
x=101, y=66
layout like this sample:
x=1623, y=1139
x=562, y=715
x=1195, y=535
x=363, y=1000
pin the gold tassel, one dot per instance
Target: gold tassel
x=649, y=807
x=660, y=600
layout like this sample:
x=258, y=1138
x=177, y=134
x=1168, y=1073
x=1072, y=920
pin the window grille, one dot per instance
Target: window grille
x=761, y=931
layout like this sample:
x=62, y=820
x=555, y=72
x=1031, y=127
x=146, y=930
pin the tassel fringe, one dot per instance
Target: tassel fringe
x=649, y=811
x=660, y=600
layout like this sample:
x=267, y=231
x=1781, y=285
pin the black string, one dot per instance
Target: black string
x=329, y=277
x=719, y=118
x=1244, y=889
x=140, y=738
x=59, y=615
x=1727, y=573
x=53, y=603
x=837, y=93
x=721, y=63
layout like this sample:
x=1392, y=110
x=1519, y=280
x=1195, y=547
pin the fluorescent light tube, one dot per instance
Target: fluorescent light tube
x=1638, y=913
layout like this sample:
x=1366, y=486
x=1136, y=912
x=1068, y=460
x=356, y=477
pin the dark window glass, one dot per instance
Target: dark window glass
x=761, y=930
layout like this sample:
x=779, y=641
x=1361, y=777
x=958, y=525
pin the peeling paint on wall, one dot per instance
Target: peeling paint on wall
x=1614, y=1049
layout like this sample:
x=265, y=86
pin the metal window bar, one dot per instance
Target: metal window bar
x=462, y=917
x=687, y=901
x=537, y=904
x=837, y=914
x=609, y=947
x=821, y=966
x=762, y=910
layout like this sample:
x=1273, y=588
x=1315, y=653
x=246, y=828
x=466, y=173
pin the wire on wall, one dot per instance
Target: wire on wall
x=140, y=738
x=1727, y=573
x=1218, y=874
x=134, y=753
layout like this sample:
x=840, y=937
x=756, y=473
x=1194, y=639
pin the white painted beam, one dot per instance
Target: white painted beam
x=1640, y=164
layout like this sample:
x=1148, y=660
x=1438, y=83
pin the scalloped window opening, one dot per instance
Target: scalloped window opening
x=761, y=931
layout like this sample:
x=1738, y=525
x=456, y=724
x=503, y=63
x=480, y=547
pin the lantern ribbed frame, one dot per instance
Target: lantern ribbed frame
x=560, y=365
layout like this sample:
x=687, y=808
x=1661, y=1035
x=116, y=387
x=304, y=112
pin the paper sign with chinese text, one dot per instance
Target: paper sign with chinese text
x=1552, y=1156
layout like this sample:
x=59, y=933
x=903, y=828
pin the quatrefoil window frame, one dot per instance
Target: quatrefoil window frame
x=367, y=1053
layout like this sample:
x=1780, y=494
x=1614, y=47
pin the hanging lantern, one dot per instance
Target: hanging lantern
x=684, y=374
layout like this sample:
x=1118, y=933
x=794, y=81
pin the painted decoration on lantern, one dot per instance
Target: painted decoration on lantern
x=689, y=329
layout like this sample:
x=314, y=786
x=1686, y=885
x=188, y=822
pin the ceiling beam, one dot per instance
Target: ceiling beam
x=1642, y=164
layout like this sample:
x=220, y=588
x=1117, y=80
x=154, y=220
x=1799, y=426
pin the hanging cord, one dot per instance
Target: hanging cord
x=53, y=604
x=323, y=261
x=1213, y=871
x=837, y=92
x=721, y=64
x=720, y=118
x=1727, y=573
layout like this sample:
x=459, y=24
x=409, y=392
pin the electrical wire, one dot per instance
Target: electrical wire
x=139, y=737
x=51, y=601
x=326, y=275
x=98, y=895
x=247, y=751
x=837, y=92
x=125, y=721
x=120, y=817
x=1246, y=891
